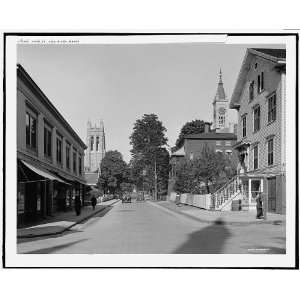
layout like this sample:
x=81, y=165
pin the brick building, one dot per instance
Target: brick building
x=49, y=155
x=259, y=98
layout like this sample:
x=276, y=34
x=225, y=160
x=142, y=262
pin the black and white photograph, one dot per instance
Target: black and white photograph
x=150, y=150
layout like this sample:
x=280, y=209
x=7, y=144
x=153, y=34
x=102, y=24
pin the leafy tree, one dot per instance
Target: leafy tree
x=148, y=140
x=114, y=171
x=192, y=127
x=211, y=168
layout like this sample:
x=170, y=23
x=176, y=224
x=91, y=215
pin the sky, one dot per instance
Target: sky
x=120, y=83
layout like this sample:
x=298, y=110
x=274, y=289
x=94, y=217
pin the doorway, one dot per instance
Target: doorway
x=272, y=194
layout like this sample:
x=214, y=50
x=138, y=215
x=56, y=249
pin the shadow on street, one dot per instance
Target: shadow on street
x=209, y=240
x=50, y=228
x=54, y=248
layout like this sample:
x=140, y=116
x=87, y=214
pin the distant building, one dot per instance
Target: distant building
x=220, y=136
x=49, y=155
x=95, y=151
x=259, y=97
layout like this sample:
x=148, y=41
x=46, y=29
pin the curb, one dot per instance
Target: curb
x=66, y=228
x=255, y=222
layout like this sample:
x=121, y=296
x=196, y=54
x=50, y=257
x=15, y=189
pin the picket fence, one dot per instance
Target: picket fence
x=201, y=201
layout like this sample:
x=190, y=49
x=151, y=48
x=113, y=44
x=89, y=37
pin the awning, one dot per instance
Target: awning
x=42, y=172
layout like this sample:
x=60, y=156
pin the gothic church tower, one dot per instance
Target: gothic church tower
x=95, y=146
x=220, y=106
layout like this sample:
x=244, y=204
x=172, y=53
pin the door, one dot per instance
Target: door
x=272, y=194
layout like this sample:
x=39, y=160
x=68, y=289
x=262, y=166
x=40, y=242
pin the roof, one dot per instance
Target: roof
x=212, y=136
x=21, y=72
x=91, y=178
x=277, y=56
x=179, y=152
x=275, y=53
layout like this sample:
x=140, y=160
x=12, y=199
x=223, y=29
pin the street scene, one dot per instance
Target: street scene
x=151, y=149
x=148, y=229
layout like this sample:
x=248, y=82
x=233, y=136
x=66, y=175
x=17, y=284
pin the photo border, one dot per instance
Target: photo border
x=6, y=34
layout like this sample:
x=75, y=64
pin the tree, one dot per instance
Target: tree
x=192, y=127
x=149, y=157
x=211, y=168
x=114, y=171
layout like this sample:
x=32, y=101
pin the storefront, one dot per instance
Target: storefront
x=37, y=195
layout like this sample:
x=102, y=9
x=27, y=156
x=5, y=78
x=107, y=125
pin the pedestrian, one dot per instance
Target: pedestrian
x=259, y=205
x=94, y=202
x=77, y=205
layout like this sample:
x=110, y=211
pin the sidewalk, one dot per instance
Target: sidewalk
x=62, y=221
x=228, y=217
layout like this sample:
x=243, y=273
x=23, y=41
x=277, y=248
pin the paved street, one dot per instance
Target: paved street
x=145, y=228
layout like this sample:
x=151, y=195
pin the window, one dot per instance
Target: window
x=31, y=133
x=260, y=82
x=191, y=156
x=228, y=143
x=218, y=143
x=97, y=143
x=92, y=143
x=47, y=141
x=255, y=157
x=219, y=151
x=251, y=91
x=59, y=150
x=79, y=165
x=244, y=124
x=272, y=108
x=256, y=118
x=270, y=151
x=68, y=146
x=221, y=120
x=229, y=152
x=74, y=162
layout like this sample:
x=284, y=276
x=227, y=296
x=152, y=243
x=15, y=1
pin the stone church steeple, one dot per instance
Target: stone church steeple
x=220, y=107
x=95, y=146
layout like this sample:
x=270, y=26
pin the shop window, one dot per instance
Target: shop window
x=31, y=131
x=21, y=198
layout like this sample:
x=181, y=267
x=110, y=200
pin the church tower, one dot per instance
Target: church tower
x=95, y=146
x=220, y=107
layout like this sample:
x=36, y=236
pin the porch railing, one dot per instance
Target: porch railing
x=226, y=192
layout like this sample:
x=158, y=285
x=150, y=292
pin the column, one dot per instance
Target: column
x=64, y=153
x=40, y=136
x=54, y=146
x=249, y=191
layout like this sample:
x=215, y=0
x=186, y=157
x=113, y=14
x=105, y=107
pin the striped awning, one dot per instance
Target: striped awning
x=43, y=173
